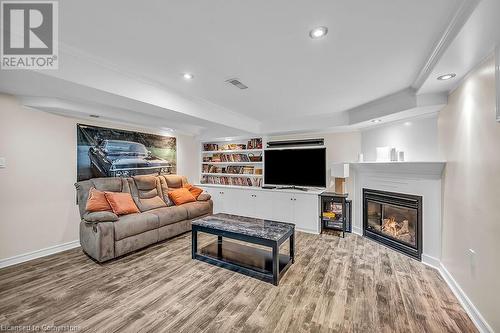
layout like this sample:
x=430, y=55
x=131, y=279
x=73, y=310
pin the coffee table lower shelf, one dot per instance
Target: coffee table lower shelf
x=248, y=260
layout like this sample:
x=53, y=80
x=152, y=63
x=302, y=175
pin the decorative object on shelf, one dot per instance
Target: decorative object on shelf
x=340, y=171
x=258, y=171
x=361, y=158
x=401, y=156
x=383, y=154
x=336, y=212
x=394, y=155
x=255, y=158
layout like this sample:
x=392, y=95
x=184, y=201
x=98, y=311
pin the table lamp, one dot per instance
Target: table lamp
x=340, y=171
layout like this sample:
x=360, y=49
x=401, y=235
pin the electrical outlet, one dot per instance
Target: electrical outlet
x=2, y=162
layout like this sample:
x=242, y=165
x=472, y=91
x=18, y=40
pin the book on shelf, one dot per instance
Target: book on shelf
x=233, y=146
x=255, y=143
x=237, y=181
x=206, y=168
x=210, y=147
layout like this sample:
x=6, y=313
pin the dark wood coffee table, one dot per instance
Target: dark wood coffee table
x=250, y=260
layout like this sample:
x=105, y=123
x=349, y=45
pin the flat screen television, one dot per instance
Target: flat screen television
x=295, y=167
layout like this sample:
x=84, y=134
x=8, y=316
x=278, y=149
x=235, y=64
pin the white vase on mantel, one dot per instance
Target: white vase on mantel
x=401, y=156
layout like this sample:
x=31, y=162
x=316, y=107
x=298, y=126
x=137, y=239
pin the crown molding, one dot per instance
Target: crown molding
x=456, y=24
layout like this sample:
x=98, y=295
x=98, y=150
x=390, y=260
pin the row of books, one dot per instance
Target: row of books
x=227, y=158
x=238, y=181
x=248, y=170
x=228, y=146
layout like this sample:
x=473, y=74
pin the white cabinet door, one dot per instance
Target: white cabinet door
x=306, y=212
x=218, y=198
x=245, y=203
x=282, y=207
x=231, y=201
x=264, y=204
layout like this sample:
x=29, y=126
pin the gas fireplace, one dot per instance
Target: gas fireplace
x=394, y=219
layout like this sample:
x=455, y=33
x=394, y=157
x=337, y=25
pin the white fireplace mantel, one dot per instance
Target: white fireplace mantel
x=421, y=178
x=431, y=169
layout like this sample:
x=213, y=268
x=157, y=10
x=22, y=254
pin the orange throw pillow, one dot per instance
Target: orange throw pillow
x=121, y=203
x=97, y=201
x=181, y=196
x=195, y=191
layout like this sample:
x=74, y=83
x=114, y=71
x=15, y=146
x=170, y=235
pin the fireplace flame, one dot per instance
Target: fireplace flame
x=399, y=230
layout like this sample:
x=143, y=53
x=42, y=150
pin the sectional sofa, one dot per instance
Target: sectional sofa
x=104, y=235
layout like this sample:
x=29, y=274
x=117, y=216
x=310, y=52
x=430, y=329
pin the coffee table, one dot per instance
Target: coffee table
x=253, y=261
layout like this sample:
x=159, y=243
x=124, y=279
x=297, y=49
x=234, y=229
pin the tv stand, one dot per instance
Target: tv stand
x=287, y=205
x=293, y=187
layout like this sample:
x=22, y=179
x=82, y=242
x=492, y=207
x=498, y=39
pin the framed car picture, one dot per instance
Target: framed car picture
x=108, y=152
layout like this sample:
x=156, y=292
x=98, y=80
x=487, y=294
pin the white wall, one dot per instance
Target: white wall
x=469, y=139
x=418, y=138
x=37, y=197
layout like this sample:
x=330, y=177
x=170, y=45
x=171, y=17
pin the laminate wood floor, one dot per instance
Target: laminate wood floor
x=335, y=285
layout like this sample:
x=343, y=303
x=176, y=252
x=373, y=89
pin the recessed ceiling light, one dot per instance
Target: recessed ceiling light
x=318, y=32
x=188, y=76
x=446, y=76
x=376, y=120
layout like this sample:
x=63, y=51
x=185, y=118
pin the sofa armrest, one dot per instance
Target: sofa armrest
x=204, y=196
x=95, y=217
x=97, y=240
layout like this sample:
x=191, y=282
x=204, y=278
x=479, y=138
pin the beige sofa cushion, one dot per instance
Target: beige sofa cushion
x=146, y=191
x=134, y=224
x=164, y=191
x=95, y=217
x=110, y=184
x=169, y=215
x=175, y=181
x=196, y=209
x=204, y=197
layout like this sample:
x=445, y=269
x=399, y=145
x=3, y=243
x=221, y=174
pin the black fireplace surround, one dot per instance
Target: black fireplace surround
x=394, y=219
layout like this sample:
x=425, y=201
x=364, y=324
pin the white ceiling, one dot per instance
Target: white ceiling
x=130, y=56
x=373, y=48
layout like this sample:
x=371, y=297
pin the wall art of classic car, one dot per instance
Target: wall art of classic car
x=117, y=158
x=110, y=152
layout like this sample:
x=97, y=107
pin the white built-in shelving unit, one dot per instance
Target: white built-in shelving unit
x=236, y=162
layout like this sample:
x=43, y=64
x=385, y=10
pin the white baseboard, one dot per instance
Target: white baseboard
x=357, y=230
x=466, y=303
x=38, y=253
x=431, y=261
x=315, y=232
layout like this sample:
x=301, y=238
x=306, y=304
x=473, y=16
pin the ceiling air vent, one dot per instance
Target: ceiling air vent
x=237, y=83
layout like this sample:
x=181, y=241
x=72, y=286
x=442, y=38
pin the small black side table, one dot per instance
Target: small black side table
x=336, y=212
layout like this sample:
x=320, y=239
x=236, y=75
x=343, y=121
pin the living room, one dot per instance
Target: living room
x=250, y=166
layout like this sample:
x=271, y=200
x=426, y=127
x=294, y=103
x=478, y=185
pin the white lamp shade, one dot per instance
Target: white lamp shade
x=340, y=170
